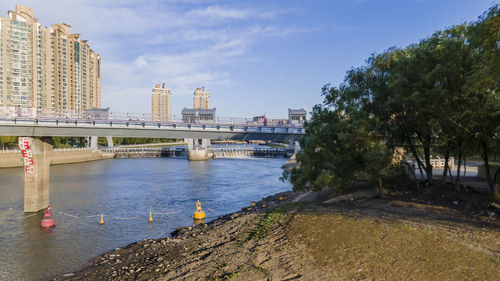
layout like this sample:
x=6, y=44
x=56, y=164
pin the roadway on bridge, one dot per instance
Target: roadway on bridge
x=123, y=128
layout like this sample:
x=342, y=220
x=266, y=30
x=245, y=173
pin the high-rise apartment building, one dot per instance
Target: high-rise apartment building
x=201, y=98
x=47, y=69
x=161, y=105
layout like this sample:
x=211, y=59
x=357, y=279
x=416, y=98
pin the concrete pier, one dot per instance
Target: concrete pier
x=91, y=142
x=198, y=154
x=36, y=156
x=198, y=149
x=110, y=141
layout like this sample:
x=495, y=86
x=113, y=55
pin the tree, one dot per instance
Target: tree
x=7, y=140
x=484, y=82
x=440, y=95
x=340, y=146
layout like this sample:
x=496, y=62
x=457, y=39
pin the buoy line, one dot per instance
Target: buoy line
x=171, y=213
x=22, y=218
x=199, y=214
x=213, y=211
x=91, y=216
x=132, y=218
x=62, y=213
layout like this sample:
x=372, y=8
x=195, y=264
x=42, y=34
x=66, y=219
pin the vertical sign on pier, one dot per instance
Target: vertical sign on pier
x=29, y=165
x=36, y=158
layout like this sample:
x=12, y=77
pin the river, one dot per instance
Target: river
x=125, y=191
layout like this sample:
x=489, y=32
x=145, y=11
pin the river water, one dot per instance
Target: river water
x=125, y=191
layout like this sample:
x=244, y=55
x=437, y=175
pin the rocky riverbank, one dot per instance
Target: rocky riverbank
x=398, y=237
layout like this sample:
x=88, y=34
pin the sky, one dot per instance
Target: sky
x=255, y=57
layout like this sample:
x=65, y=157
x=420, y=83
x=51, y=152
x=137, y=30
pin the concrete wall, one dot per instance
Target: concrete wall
x=58, y=156
x=11, y=159
x=68, y=156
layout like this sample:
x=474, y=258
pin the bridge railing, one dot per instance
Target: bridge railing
x=6, y=151
x=80, y=122
x=55, y=149
x=130, y=118
x=72, y=149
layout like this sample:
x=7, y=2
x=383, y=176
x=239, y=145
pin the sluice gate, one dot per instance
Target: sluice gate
x=156, y=152
x=252, y=152
x=182, y=152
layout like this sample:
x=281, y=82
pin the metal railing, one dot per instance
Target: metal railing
x=12, y=113
x=214, y=126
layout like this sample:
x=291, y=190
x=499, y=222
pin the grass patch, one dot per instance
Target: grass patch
x=409, y=227
x=219, y=266
x=220, y=272
x=268, y=220
x=230, y=276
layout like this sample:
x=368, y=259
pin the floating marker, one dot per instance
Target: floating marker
x=150, y=217
x=198, y=214
x=102, y=219
x=47, y=220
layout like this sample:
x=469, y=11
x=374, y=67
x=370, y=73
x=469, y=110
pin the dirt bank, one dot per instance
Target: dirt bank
x=398, y=237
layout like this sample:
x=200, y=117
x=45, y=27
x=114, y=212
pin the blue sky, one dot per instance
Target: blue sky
x=254, y=56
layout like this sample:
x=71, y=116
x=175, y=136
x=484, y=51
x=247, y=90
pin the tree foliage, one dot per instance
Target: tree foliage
x=438, y=96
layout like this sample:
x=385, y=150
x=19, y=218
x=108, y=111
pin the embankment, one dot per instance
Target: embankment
x=12, y=159
x=403, y=237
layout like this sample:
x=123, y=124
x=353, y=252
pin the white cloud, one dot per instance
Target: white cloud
x=142, y=42
x=218, y=12
x=140, y=62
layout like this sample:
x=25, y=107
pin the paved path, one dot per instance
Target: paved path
x=470, y=179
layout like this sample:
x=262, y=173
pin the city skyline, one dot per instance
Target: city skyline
x=161, y=103
x=201, y=98
x=46, y=69
x=259, y=57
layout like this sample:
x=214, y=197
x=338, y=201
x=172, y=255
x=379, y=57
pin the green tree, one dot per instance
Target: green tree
x=340, y=146
x=6, y=140
x=484, y=81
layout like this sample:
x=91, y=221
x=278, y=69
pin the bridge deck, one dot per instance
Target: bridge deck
x=124, y=128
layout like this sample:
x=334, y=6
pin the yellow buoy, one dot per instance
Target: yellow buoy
x=198, y=214
x=150, y=217
x=102, y=219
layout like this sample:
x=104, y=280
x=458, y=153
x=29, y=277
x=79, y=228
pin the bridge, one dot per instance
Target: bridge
x=36, y=154
x=79, y=127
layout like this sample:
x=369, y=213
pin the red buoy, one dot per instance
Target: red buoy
x=47, y=220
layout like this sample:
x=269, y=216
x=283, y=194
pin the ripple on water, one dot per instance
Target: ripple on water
x=125, y=191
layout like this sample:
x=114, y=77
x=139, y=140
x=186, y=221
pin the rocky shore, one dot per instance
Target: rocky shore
x=397, y=237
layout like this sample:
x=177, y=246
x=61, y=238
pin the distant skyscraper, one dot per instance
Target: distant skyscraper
x=161, y=105
x=201, y=98
x=46, y=68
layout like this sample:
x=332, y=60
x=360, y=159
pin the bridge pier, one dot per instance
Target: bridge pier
x=295, y=145
x=110, y=141
x=92, y=142
x=198, y=149
x=36, y=155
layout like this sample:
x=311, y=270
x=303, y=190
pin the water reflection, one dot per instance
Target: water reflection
x=198, y=221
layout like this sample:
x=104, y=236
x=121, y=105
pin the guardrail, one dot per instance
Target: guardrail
x=79, y=122
x=140, y=118
x=435, y=162
x=10, y=151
